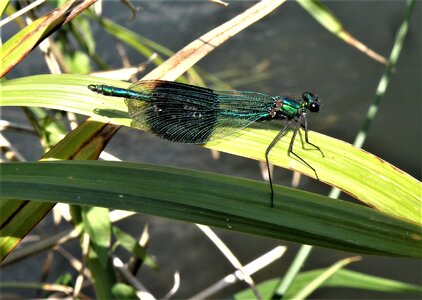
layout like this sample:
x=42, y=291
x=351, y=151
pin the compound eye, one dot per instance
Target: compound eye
x=314, y=107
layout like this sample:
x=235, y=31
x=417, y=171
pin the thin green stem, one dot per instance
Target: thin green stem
x=294, y=269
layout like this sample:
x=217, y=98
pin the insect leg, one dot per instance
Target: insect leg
x=306, y=136
x=267, y=152
x=297, y=127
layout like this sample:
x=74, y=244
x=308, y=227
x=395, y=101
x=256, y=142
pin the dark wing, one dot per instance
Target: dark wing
x=190, y=114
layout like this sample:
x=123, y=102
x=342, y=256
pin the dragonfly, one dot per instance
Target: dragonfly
x=191, y=114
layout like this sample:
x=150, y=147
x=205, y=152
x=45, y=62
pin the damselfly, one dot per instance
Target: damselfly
x=190, y=114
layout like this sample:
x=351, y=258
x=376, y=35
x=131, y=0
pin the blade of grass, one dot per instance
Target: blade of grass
x=22, y=43
x=3, y=7
x=327, y=19
x=193, y=52
x=343, y=278
x=18, y=217
x=216, y=200
x=323, y=277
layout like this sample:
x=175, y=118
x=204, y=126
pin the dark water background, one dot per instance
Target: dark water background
x=299, y=55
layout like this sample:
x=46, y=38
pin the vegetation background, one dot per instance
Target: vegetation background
x=288, y=51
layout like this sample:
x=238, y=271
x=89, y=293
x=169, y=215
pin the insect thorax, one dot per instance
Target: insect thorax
x=285, y=107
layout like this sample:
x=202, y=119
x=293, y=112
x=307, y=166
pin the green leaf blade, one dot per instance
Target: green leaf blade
x=216, y=200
